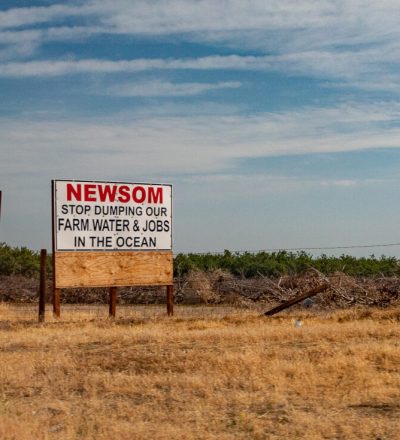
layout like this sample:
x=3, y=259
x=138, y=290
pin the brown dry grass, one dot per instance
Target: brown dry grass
x=208, y=373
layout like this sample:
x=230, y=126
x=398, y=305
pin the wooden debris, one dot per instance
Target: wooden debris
x=314, y=291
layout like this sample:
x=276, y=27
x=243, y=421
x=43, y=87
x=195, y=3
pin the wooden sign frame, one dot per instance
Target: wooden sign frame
x=110, y=269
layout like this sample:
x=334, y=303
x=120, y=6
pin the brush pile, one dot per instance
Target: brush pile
x=222, y=287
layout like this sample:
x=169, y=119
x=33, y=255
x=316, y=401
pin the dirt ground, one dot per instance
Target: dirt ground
x=206, y=373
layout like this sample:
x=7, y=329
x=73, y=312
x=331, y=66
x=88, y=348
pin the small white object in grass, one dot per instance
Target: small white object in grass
x=297, y=323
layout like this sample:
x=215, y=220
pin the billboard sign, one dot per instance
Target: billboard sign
x=111, y=216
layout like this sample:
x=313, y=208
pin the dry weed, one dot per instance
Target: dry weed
x=200, y=284
x=208, y=373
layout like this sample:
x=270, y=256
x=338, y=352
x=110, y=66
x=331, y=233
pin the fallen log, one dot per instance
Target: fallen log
x=314, y=291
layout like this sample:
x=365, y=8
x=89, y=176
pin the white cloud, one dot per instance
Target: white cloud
x=55, y=68
x=191, y=144
x=353, y=42
x=17, y=17
x=177, y=16
x=263, y=183
x=17, y=44
x=162, y=88
x=291, y=63
x=341, y=182
x=339, y=21
x=344, y=69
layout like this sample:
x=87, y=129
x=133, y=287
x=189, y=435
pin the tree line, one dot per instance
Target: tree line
x=24, y=261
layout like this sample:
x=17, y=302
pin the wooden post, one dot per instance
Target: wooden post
x=314, y=291
x=170, y=300
x=56, y=302
x=42, y=285
x=113, y=302
x=56, y=292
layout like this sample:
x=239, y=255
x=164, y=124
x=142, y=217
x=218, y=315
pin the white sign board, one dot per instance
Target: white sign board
x=111, y=216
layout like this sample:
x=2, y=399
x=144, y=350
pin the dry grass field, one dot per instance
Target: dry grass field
x=207, y=373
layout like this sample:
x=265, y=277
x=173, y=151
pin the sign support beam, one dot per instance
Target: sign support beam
x=42, y=286
x=56, y=302
x=113, y=302
x=170, y=300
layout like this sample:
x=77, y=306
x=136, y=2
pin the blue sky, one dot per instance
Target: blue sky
x=277, y=122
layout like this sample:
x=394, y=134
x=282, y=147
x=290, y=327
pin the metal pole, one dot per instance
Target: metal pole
x=42, y=286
